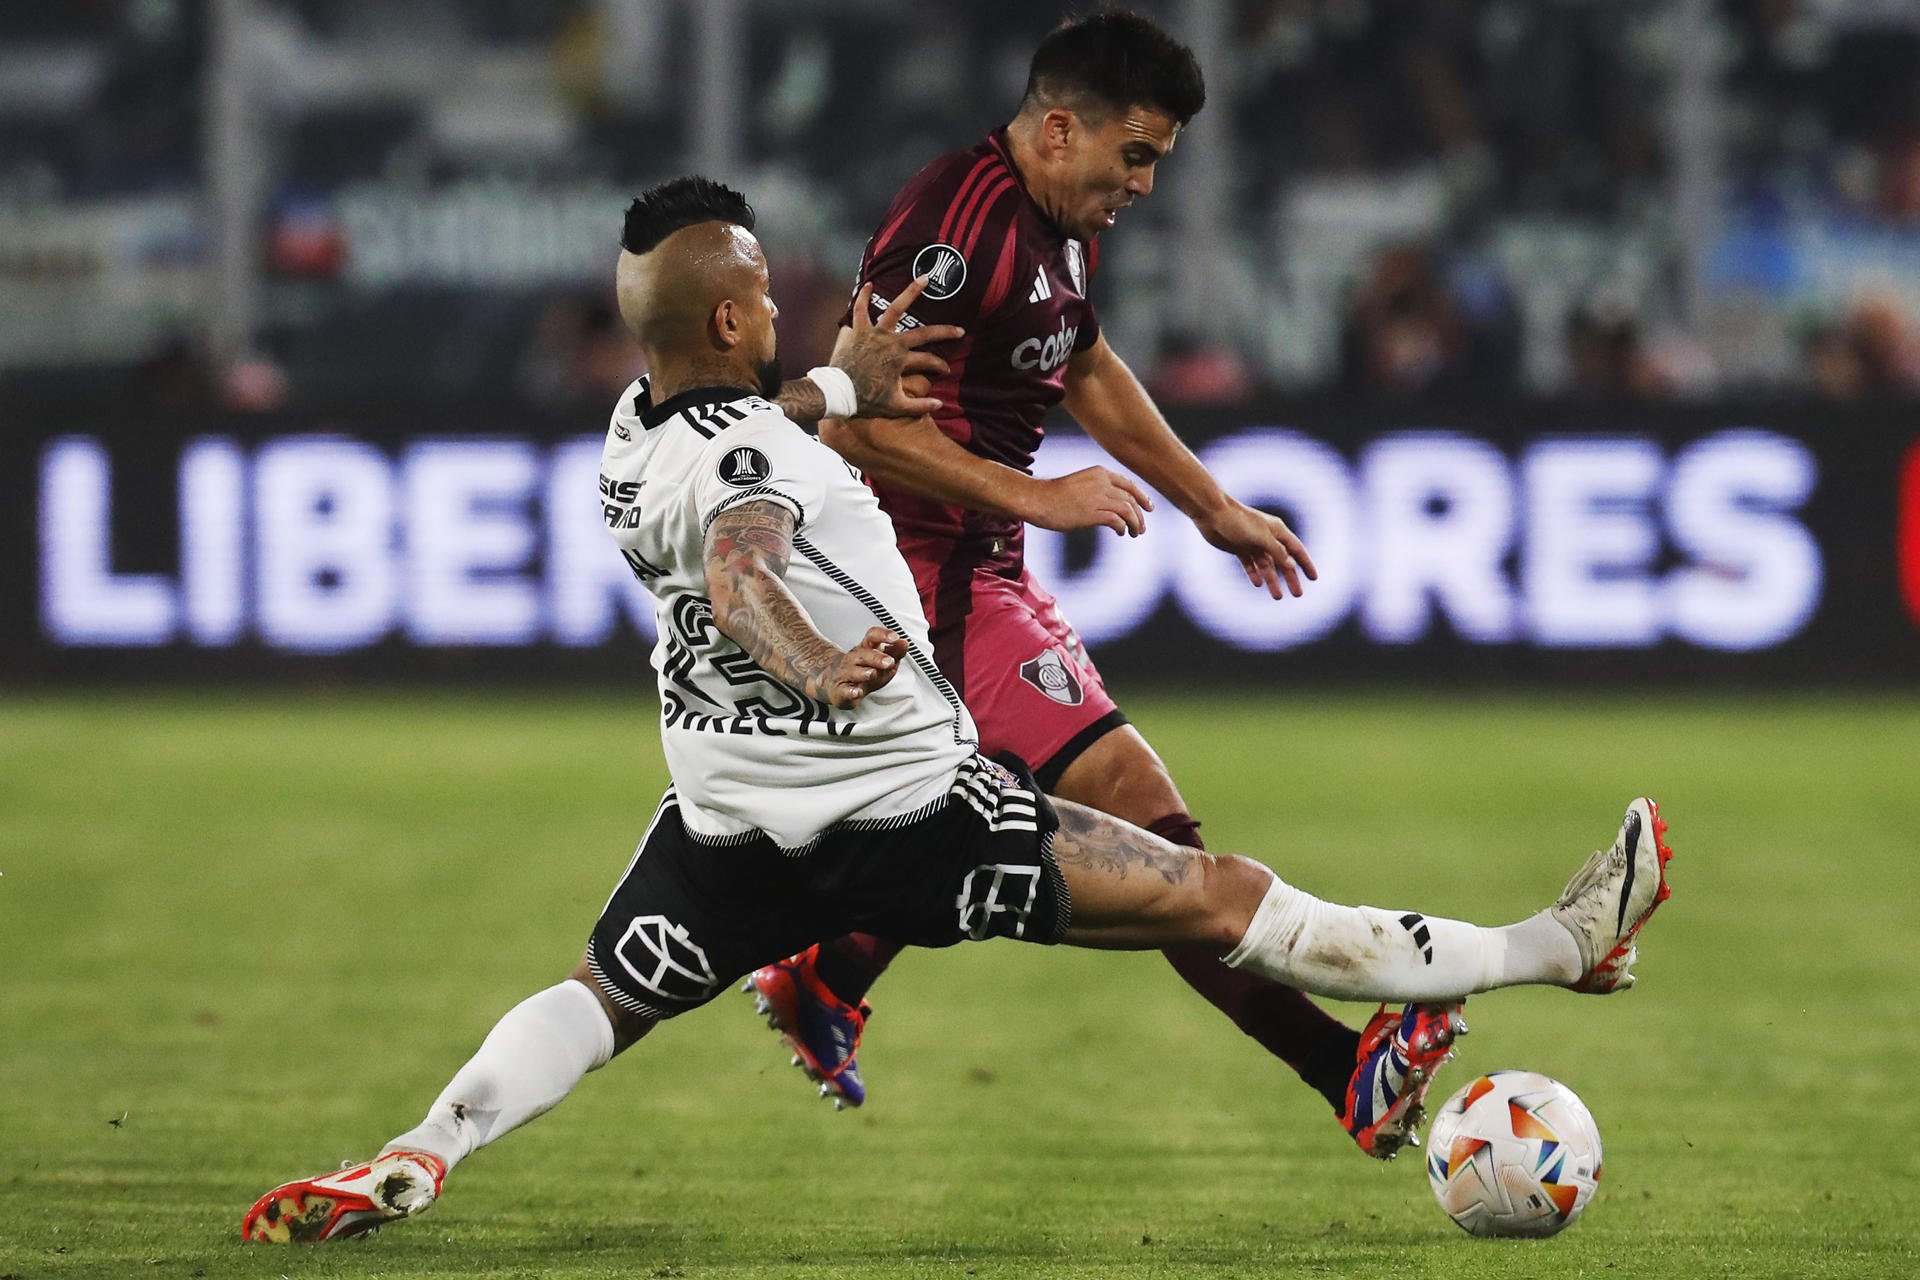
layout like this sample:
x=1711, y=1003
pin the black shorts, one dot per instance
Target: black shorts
x=692, y=915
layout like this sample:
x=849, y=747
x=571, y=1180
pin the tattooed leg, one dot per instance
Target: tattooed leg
x=1132, y=890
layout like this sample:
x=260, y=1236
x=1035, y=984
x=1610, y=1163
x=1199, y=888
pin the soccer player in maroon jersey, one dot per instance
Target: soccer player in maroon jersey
x=1006, y=231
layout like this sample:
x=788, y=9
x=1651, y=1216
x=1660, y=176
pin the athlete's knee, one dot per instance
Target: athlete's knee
x=628, y=1026
x=1120, y=775
x=1231, y=890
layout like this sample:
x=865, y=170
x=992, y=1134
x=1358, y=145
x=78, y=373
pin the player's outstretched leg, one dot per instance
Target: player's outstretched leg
x=531, y=1060
x=1132, y=890
x=821, y=1029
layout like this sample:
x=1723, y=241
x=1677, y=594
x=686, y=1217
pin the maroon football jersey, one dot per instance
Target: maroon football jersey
x=1018, y=286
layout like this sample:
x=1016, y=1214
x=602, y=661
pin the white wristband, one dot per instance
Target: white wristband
x=837, y=387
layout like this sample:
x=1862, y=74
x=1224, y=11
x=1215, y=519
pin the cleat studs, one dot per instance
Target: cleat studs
x=794, y=1061
x=825, y=1089
x=839, y=1104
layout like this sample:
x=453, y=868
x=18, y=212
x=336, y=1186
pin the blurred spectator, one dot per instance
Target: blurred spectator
x=580, y=353
x=142, y=131
x=1606, y=357
x=180, y=376
x=1870, y=354
x=176, y=376
x=812, y=296
x=1190, y=372
x=253, y=384
x=1403, y=332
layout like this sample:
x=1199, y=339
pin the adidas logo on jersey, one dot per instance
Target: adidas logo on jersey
x=1041, y=289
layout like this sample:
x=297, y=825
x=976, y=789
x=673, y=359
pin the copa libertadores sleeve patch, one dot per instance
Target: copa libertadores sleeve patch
x=743, y=467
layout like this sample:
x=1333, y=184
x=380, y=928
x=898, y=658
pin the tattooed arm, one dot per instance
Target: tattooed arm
x=877, y=355
x=747, y=551
x=802, y=400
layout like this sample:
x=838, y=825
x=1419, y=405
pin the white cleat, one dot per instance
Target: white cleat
x=1612, y=896
x=357, y=1199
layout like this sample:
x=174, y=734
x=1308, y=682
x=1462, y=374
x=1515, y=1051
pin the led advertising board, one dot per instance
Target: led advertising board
x=1494, y=544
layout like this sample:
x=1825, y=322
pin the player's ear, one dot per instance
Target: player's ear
x=1056, y=130
x=726, y=323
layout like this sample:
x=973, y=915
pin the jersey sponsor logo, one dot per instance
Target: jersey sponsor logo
x=620, y=490
x=619, y=498
x=1041, y=290
x=997, y=889
x=880, y=306
x=946, y=266
x=1050, y=674
x=1049, y=353
x=1077, y=267
x=661, y=957
x=744, y=467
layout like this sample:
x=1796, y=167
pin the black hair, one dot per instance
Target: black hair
x=682, y=202
x=1120, y=60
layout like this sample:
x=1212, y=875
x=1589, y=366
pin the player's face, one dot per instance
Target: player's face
x=1112, y=165
x=759, y=340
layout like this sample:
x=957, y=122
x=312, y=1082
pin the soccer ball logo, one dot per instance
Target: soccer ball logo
x=1513, y=1154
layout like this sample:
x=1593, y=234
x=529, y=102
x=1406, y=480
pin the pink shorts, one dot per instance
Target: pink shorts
x=1018, y=664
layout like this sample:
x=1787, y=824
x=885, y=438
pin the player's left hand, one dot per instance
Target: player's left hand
x=879, y=354
x=867, y=667
x=1267, y=550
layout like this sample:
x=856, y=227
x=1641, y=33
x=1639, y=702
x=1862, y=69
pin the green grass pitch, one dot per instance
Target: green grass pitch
x=242, y=939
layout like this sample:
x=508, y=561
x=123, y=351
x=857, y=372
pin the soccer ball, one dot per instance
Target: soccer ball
x=1513, y=1154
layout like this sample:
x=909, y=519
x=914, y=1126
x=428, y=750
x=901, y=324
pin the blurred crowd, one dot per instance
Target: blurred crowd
x=1430, y=197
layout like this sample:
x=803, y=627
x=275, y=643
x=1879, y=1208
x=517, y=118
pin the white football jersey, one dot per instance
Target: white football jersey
x=748, y=753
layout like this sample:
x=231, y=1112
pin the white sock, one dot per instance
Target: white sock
x=529, y=1061
x=1365, y=953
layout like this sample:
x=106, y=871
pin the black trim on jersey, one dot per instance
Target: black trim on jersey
x=748, y=495
x=655, y=414
x=642, y=398
x=643, y=568
x=1048, y=774
x=846, y=582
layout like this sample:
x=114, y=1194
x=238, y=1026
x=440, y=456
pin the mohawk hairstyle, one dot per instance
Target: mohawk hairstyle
x=1118, y=59
x=682, y=202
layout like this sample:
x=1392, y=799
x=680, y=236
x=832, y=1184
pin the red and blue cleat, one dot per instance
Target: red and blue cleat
x=1400, y=1053
x=821, y=1029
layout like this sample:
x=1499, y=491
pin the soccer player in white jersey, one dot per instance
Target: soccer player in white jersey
x=824, y=772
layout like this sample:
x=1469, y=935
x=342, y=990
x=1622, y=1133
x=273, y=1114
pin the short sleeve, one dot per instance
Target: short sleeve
x=765, y=459
x=964, y=239
x=1089, y=328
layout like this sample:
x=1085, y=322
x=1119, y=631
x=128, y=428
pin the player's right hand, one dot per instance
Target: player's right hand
x=1090, y=498
x=868, y=666
x=878, y=354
